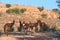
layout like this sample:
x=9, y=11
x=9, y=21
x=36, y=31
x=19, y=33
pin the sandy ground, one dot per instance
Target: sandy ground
x=7, y=38
x=34, y=36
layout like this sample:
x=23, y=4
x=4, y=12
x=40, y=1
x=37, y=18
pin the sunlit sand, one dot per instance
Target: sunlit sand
x=7, y=38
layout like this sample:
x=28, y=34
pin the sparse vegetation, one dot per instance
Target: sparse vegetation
x=55, y=10
x=44, y=15
x=41, y=8
x=8, y=5
x=22, y=10
x=45, y=28
x=52, y=29
x=10, y=11
x=15, y=10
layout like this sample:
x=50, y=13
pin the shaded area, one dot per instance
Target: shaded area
x=51, y=35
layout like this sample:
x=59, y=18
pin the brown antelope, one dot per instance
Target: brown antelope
x=37, y=25
x=25, y=26
x=8, y=26
x=42, y=25
x=29, y=26
x=21, y=26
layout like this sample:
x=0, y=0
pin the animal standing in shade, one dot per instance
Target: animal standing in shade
x=8, y=26
x=42, y=26
x=21, y=26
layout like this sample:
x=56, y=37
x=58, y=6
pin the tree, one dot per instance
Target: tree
x=58, y=1
x=41, y=8
x=8, y=5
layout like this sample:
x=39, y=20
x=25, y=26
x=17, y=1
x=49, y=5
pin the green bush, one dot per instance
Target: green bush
x=22, y=10
x=44, y=15
x=41, y=8
x=15, y=10
x=10, y=11
x=45, y=28
x=8, y=5
x=55, y=10
x=53, y=29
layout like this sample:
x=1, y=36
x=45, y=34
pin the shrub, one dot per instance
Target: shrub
x=16, y=10
x=53, y=27
x=55, y=10
x=22, y=10
x=8, y=5
x=41, y=8
x=44, y=15
x=44, y=28
x=10, y=11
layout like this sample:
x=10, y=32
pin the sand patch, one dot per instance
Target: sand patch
x=7, y=38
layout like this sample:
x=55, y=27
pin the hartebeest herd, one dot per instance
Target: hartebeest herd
x=24, y=25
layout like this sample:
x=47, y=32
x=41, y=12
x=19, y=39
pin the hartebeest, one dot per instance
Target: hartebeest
x=21, y=26
x=37, y=25
x=8, y=26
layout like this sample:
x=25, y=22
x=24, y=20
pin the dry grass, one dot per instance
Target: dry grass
x=31, y=14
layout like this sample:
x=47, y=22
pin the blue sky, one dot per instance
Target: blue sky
x=46, y=3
